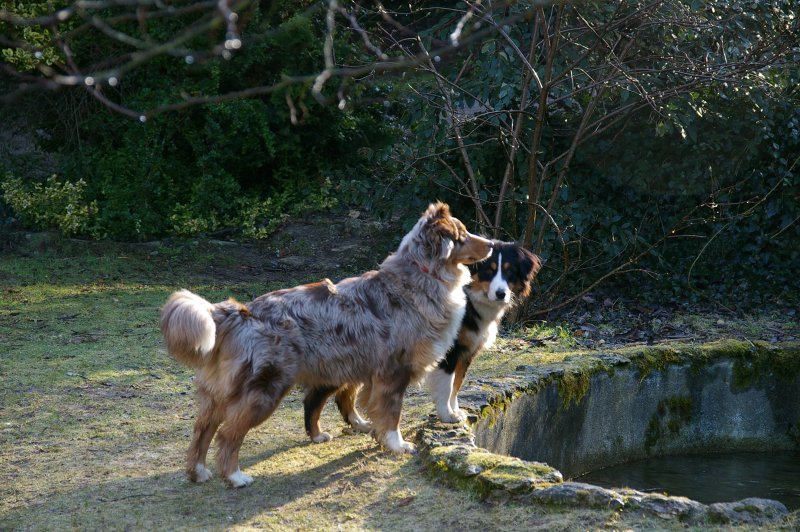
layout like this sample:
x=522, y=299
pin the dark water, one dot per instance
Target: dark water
x=710, y=478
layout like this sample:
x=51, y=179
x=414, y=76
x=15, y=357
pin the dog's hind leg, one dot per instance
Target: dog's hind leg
x=385, y=405
x=208, y=419
x=312, y=407
x=263, y=395
x=346, y=401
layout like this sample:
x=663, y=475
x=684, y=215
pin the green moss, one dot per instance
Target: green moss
x=723, y=348
x=440, y=466
x=442, y=471
x=653, y=433
x=700, y=356
x=572, y=387
x=477, y=461
x=752, y=360
x=671, y=415
x=761, y=363
x=497, y=405
x=482, y=472
x=655, y=359
x=717, y=519
x=680, y=407
x=513, y=478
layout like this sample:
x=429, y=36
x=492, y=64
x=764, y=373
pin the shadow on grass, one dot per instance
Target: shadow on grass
x=170, y=501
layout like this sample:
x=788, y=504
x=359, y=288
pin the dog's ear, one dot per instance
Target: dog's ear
x=437, y=210
x=441, y=229
x=530, y=264
x=446, y=248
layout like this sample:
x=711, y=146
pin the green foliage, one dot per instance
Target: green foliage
x=27, y=60
x=703, y=178
x=36, y=43
x=243, y=164
x=260, y=218
x=52, y=204
x=738, y=184
x=680, y=169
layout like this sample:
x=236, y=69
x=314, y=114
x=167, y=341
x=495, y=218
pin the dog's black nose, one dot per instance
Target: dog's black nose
x=501, y=294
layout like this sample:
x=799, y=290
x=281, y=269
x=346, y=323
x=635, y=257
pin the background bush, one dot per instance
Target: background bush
x=699, y=188
x=237, y=164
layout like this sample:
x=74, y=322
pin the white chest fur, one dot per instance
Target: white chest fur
x=489, y=315
x=456, y=305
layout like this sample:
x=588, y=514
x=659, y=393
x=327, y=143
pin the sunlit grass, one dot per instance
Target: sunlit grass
x=95, y=419
x=549, y=333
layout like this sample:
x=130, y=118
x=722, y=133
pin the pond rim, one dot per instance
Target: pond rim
x=452, y=455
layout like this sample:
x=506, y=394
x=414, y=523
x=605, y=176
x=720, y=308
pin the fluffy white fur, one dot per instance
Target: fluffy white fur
x=440, y=385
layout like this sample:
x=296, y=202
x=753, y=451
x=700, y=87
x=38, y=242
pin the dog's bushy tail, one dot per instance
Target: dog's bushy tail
x=188, y=328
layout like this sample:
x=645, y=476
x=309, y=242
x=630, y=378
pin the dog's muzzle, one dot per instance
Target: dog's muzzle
x=478, y=248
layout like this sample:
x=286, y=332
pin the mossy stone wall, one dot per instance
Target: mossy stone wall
x=628, y=414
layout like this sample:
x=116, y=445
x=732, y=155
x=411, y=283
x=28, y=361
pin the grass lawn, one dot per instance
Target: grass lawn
x=95, y=417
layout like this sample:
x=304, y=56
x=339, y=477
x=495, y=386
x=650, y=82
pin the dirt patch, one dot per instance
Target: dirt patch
x=315, y=246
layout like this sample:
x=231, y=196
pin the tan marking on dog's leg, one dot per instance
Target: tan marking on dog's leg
x=364, y=395
x=459, y=374
x=229, y=440
x=208, y=420
x=346, y=401
x=458, y=380
x=313, y=403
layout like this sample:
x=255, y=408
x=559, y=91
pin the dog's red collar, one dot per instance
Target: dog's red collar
x=426, y=270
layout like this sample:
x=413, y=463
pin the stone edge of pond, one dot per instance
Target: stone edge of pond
x=450, y=452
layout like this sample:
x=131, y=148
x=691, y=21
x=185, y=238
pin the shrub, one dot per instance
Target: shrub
x=241, y=163
x=52, y=204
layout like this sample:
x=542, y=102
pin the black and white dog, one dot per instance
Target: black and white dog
x=496, y=283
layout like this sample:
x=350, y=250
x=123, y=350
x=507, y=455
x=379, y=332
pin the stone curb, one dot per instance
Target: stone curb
x=450, y=451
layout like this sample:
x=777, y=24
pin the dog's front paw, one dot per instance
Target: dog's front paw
x=200, y=474
x=396, y=444
x=408, y=448
x=451, y=415
x=404, y=447
x=358, y=428
x=322, y=437
x=362, y=426
x=239, y=479
x=460, y=415
x=457, y=416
